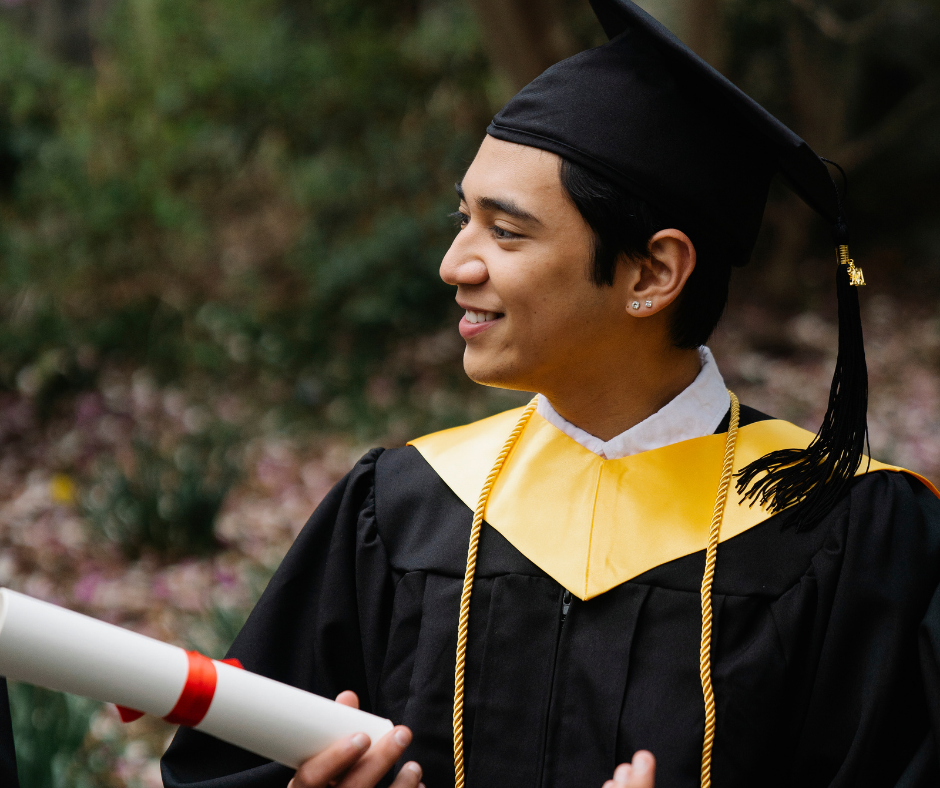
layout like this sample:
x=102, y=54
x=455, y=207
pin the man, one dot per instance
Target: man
x=593, y=619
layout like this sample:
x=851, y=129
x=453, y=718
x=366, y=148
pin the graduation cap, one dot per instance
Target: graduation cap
x=647, y=113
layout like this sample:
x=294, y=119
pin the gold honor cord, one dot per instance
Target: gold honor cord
x=710, y=559
x=468, y=588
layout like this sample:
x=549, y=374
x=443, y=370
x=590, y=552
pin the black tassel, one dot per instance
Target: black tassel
x=813, y=480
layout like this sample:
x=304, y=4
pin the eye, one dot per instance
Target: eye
x=504, y=235
x=460, y=219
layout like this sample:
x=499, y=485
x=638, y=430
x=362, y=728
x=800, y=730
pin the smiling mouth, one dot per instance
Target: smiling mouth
x=482, y=317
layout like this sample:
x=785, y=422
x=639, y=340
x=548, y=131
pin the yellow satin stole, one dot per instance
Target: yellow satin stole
x=592, y=524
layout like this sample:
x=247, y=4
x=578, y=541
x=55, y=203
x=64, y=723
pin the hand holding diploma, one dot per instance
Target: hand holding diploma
x=350, y=763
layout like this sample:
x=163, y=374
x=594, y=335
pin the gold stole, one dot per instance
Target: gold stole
x=592, y=524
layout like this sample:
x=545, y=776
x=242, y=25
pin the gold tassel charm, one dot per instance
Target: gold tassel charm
x=856, y=277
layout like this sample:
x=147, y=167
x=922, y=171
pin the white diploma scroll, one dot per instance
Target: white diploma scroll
x=59, y=649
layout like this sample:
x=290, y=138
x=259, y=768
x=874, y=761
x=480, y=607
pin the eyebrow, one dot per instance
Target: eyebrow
x=507, y=207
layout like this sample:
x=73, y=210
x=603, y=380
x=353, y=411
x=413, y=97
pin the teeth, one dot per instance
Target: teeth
x=480, y=317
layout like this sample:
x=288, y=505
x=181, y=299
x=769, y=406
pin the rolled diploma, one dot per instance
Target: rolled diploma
x=52, y=647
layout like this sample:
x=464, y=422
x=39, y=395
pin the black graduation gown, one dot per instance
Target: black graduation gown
x=8, y=774
x=826, y=654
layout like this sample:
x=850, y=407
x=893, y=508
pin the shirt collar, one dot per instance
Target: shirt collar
x=694, y=413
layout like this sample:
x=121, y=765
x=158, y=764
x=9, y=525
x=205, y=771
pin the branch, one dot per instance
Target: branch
x=917, y=104
x=833, y=26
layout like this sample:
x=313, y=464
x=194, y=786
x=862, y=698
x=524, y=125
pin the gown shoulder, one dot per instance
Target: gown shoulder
x=884, y=512
x=425, y=526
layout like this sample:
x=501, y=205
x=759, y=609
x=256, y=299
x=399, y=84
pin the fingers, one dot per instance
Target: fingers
x=350, y=763
x=348, y=698
x=332, y=763
x=641, y=773
x=408, y=777
x=372, y=766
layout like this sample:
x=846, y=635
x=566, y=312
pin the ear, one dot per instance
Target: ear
x=658, y=279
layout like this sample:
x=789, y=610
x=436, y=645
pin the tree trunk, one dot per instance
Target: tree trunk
x=523, y=37
x=704, y=31
x=64, y=28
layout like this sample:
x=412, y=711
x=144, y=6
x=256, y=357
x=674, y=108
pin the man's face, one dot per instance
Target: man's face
x=521, y=262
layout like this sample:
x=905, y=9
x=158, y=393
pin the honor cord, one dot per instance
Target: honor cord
x=463, y=624
x=711, y=557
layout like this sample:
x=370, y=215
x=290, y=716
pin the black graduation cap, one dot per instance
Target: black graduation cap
x=646, y=112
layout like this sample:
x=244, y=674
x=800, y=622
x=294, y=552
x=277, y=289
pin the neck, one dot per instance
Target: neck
x=607, y=399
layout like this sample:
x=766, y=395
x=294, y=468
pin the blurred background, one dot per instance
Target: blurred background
x=220, y=227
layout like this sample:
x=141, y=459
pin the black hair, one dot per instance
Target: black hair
x=624, y=223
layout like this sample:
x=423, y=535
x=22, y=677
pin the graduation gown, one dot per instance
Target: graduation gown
x=8, y=774
x=825, y=657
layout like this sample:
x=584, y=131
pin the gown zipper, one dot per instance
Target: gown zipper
x=565, y=607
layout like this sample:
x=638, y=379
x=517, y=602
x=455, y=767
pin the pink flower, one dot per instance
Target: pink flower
x=85, y=588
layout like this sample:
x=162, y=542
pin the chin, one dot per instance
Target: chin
x=494, y=373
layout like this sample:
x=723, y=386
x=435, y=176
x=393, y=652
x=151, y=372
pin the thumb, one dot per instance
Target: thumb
x=641, y=773
x=348, y=698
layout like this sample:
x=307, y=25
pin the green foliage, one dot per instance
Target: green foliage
x=165, y=500
x=235, y=188
x=50, y=729
x=255, y=190
x=213, y=631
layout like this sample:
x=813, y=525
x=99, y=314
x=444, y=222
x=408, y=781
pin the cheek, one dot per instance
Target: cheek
x=557, y=289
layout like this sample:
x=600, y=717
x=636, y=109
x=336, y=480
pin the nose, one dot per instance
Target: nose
x=463, y=264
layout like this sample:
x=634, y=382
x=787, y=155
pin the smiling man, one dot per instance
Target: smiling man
x=634, y=579
x=537, y=317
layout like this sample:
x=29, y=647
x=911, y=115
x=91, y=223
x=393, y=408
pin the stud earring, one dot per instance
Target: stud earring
x=648, y=303
x=635, y=305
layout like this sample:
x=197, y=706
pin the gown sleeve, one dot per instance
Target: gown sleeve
x=870, y=662
x=924, y=769
x=8, y=774
x=321, y=625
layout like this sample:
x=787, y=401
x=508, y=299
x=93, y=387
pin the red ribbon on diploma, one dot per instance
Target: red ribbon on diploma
x=197, y=694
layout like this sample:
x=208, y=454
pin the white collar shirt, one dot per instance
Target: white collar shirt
x=694, y=413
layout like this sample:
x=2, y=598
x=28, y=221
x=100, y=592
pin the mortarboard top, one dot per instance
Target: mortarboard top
x=646, y=112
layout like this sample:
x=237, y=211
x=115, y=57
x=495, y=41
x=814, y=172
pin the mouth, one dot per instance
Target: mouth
x=481, y=317
x=474, y=322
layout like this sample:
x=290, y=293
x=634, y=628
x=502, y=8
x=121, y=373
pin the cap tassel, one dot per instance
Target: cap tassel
x=812, y=480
